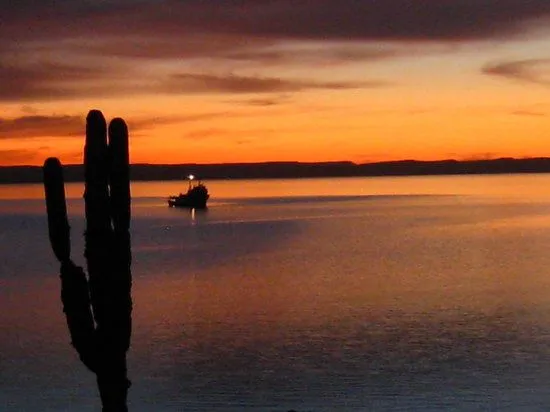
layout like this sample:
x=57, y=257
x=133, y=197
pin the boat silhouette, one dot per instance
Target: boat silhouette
x=195, y=198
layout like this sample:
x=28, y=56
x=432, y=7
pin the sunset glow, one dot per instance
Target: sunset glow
x=255, y=80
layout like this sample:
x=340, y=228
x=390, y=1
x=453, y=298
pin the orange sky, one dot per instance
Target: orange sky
x=251, y=81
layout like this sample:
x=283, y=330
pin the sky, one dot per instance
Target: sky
x=211, y=81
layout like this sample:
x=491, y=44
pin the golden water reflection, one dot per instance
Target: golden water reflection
x=334, y=270
x=326, y=303
x=518, y=186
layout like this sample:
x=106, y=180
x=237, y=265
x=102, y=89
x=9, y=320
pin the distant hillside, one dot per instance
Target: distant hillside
x=270, y=170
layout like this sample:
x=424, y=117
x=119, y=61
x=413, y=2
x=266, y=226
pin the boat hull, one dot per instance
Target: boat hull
x=185, y=202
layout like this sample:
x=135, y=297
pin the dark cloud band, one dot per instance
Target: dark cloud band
x=277, y=19
x=49, y=48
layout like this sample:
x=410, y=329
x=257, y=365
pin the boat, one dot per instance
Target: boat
x=195, y=198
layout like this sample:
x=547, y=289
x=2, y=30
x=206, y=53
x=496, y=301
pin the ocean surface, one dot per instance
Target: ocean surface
x=359, y=294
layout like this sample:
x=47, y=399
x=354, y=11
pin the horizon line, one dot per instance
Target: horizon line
x=322, y=162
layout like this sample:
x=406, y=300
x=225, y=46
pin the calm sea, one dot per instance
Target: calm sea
x=362, y=294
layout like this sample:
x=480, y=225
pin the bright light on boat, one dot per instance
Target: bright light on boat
x=191, y=177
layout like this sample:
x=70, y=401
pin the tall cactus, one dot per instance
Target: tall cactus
x=98, y=307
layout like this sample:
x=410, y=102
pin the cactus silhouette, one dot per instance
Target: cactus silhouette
x=98, y=307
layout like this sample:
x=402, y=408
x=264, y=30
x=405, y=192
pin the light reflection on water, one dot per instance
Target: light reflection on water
x=516, y=186
x=358, y=303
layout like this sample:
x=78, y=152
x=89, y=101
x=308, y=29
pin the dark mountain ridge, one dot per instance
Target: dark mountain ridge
x=274, y=170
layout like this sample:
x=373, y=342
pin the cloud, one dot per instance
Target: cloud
x=264, y=102
x=47, y=80
x=35, y=126
x=536, y=71
x=52, y=81
x=205, y=133
x=529, y=113
x=479, y=156
x=275, y=19
x=235, y=84
x=402, y=20
x=308, y=53
x=222, y=51
x=163, y=46
x=66, y=49
x=143, y=123
x=41, y=126
x=21, y=156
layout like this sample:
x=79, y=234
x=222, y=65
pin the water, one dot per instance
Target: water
x=367, y=294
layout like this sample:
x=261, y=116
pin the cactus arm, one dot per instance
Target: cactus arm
x=75, y=297
x=58, y=223
x=74, y=286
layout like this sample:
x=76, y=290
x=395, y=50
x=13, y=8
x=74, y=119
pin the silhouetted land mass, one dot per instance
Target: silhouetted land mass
x=273, y=170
